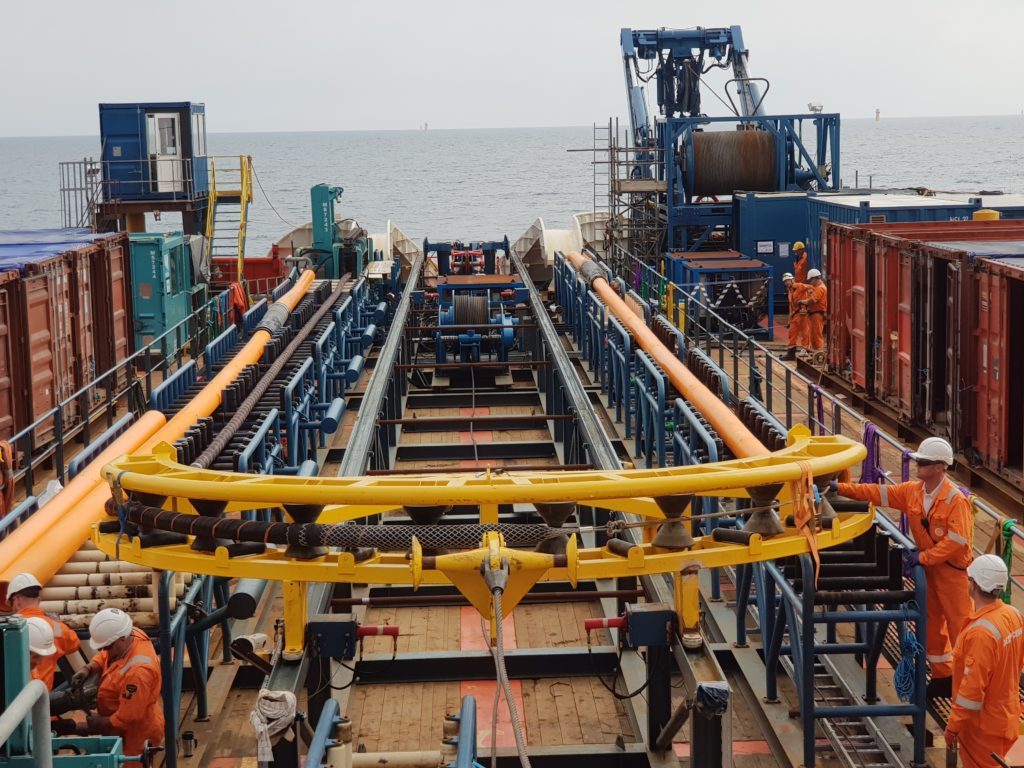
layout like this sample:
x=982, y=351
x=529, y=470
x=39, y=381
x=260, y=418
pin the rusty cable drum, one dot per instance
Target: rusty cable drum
x=471, y=310
x=724, y=161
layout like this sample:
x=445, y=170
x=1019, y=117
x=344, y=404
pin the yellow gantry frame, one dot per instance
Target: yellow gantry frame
x=630, y=491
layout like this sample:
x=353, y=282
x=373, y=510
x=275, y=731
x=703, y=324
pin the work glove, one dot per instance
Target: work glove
x=78, y=679
x=63, y=726
x=951, y=740
x=97, y=723
x=833, y=485
x=912, y=557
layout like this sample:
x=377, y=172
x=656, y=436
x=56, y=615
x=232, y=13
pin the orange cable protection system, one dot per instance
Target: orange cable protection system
x=728, y=425
x=44, y=543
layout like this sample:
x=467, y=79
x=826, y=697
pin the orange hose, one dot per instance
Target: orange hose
x=44, y=543
x=728, y=425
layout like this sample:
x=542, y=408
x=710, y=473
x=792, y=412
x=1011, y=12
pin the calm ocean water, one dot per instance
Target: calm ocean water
x=445, y=184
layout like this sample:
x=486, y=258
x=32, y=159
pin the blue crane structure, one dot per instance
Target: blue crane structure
x=696, y=159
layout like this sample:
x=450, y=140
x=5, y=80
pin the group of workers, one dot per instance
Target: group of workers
x=128, y=702
x=974, y=641
x=808, y=302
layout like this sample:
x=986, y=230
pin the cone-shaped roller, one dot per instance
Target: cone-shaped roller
x=207, y=508
x=673, y=533
x=555, y=516
x=764, y=520
x=304, y=513
x=429, y=514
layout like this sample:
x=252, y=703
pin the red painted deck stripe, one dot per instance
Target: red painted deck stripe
x=484, y=692
x=470, y=636
x=482, y=411
x=477, y=436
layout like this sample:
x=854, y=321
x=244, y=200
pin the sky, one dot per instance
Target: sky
x=264, y=65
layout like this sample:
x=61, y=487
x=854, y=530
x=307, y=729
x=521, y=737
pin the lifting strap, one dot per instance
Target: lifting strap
x=805, y=512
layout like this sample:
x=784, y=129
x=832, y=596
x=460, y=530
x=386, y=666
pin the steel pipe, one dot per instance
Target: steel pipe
x=33, y=699
x=733, y=431
x=48, y=539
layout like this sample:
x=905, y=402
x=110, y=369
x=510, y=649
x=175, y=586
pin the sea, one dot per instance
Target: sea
x=488, y=183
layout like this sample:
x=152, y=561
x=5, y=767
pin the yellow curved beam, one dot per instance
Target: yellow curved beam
x=395, y=567
x=159, y=474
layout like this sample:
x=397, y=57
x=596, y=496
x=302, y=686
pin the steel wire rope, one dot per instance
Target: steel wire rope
x=517, y=726
x=267, y=198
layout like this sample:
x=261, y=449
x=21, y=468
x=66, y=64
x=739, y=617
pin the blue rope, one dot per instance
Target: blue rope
x=905, y=678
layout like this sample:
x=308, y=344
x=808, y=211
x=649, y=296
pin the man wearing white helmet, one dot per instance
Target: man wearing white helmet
x=23, y=595
x=797, y=336
x=987, y=662
x=815, y=304
x=942, y=525
x=40, y=650
x=128, y=701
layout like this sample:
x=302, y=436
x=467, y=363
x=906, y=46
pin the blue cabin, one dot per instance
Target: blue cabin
x=154, y=151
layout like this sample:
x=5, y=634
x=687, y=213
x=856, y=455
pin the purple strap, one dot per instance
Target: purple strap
x=871, y=470
x=818, y=396
x=906, y=466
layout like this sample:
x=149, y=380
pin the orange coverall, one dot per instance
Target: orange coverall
x=797, y=322
x=800, y=267
x=817, y=304
x=987, y=663
x=64, y=638
x=129, y=694
x=944, y=536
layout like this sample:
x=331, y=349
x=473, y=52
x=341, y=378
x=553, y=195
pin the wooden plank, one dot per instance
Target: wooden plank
x=568, y=718
x=586, y=711
x=547, y=711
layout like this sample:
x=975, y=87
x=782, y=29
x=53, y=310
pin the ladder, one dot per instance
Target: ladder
x=228, y=208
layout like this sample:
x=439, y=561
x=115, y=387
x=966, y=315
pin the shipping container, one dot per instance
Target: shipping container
x=10, y=366
x=69, y=313
x=765, y=226
x=841, y=208
x=925, y=318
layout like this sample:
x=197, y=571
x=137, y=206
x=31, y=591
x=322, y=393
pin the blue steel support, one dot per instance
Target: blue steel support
x=322, y=736
x=620, y=370
x=650, y=385
x=465, y=742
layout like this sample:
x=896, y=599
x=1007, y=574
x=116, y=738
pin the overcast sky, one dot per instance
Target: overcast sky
x=284, y=66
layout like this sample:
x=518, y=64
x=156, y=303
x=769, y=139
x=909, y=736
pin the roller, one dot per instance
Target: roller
x=49, y=538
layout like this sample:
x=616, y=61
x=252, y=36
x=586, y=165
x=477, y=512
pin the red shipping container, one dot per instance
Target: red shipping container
x=998, y=422
x=11, y=366
x=111, y=304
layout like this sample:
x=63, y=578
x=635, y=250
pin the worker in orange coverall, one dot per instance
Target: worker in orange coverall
x=23, y=594
x=815, y=303
x=987, y=662
x=800, y=262
x=797, y=336
x=128, y=700
x=942, y=525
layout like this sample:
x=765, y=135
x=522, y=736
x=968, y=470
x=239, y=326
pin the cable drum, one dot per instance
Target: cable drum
x=725, y=161
x=393, y=538
x=471, y=310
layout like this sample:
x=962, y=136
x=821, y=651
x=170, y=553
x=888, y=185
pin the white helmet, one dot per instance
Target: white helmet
x=787, y=276
x=40, y=637
x=989, y=572
x=22, y=582
x=107, y=626
x=813, y=273
x=934, y=449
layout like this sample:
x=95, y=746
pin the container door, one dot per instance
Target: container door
x=904, y=341
x=990, y=430
x=953, y=384
x=857, y=286
x=164, y=134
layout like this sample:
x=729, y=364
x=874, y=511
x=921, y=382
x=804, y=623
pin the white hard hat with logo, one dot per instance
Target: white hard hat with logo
x=934, y=449
x=40, y=637
x=989, y=572
x=108, y=626
x=813, y=273
x=787, y=276
x=22, y=582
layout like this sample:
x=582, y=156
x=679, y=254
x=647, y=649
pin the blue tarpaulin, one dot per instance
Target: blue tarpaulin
x=21, y=247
